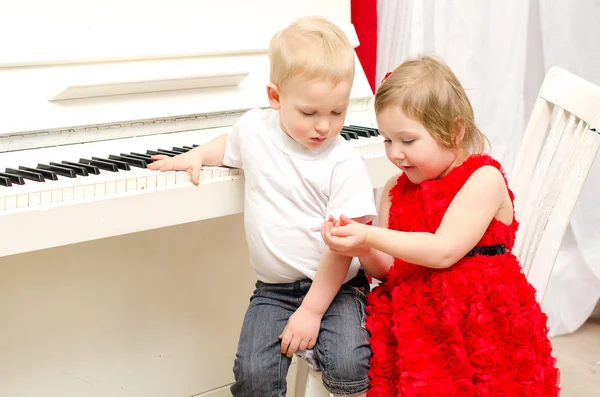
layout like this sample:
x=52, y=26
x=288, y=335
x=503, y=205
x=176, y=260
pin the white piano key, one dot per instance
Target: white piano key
x=11, y=202
x=140, y=182
x=35, y=198
x=78, y=192
x=46, y=197
x=2, y=203
x=100, y=189
x=180, y=177
x=171, y=178
x=57, y=195
x=206, y=174
x=161, y=179
x=130, y=184
x=89, y=190
x=121, y=186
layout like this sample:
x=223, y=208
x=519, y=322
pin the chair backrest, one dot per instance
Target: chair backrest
x=558, y=148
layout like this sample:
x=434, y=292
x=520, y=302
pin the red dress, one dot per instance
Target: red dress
x=474, y=329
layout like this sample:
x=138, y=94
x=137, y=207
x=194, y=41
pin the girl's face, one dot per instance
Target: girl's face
x=412, y=148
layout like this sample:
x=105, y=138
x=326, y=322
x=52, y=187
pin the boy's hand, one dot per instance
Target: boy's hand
x=190, y=162
x=345, y=236
x=301, y=331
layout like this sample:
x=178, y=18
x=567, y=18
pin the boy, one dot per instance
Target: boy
x=298, y=171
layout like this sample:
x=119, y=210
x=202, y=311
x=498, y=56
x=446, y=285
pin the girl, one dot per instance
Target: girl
x=454, y=315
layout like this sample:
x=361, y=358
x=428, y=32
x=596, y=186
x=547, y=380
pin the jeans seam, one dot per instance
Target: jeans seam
x=361, y=308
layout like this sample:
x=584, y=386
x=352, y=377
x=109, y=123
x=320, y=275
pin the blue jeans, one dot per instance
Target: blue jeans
x=342, y=346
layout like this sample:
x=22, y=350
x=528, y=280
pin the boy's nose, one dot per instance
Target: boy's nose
x=322, y=127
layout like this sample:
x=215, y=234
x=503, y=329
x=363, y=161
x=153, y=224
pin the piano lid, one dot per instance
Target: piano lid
x=200, y=59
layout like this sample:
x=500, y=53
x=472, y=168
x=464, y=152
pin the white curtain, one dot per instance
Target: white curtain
x=500, y=51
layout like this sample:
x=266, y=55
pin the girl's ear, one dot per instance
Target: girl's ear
x=459, y=129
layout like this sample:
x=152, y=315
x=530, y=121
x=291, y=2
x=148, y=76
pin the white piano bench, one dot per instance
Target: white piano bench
x=308, y=381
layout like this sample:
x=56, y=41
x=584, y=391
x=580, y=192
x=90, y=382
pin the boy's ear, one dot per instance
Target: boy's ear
x=273, y=94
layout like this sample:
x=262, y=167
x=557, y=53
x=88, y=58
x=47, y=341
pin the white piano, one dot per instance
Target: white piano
x=116, y=280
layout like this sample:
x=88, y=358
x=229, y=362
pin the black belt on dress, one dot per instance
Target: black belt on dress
x=489, y=250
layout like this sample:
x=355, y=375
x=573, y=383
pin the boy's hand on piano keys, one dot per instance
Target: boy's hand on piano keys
x=189, y=162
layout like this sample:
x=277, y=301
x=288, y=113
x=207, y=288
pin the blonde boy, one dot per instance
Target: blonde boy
x=298, y=171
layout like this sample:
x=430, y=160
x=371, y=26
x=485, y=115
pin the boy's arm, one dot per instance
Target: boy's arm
x=303, y=326
x=210, y=153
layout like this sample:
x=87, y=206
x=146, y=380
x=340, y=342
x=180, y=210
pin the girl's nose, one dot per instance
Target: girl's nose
x=398, y=154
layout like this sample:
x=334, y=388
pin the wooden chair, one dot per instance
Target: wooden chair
x=558, y=148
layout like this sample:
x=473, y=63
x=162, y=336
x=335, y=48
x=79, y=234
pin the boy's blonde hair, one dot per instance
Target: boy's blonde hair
x=313, y=48
x=428, y=91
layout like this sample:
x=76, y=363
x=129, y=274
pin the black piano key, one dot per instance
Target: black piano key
x=345, y=135
x=129, y=160
x=370, y=130
x=33, y=176
x=91, y=169
x=351, y=134
x=103, y=165
x=120, y=164
x=5, y=181
x=14, y=178
x=147, y=160
x=365, y=128
x=59, y=170
x=194, y=145
x=189, y=147
x=47, y=174
x=167, y=152
x=180, y=149
x=142, y=155
x=361, y=132
x=78, y=169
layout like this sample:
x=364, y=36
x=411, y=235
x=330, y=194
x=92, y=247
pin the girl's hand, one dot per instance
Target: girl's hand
x=345, y=236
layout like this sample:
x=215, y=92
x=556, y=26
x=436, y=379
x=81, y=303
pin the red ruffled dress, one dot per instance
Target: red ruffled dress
x=474, y=329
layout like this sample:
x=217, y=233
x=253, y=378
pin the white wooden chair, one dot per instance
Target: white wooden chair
x=558, y=148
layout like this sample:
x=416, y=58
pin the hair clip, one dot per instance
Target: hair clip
x=385, y=77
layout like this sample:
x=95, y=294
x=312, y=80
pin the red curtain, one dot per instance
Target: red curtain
x=364, y=19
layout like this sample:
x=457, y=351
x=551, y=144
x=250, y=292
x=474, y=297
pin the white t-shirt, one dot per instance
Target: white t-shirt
x=290, y=191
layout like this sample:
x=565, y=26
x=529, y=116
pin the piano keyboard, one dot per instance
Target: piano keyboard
x=103, y=169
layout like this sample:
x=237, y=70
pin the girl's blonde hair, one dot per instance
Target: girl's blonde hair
x=428, y=91
x=313, y=48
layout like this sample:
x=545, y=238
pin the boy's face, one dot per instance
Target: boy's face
x=311, y=111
